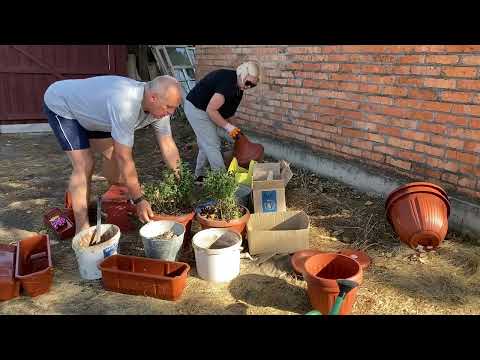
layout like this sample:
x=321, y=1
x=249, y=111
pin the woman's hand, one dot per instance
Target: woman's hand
x=232, y=131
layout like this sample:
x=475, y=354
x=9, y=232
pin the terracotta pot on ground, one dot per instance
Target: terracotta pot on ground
x=145, y=277
x=237, y=225
x=322, y=271
x=245, y=151
x=358, y=255
x=298, y=259
x=419, y=214
x=115, y=207
x=33, y=265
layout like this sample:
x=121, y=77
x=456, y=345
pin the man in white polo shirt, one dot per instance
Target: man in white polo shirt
x=101, y=114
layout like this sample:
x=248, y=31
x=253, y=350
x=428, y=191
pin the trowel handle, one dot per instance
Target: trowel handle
x=338, y=304
x=345, y=287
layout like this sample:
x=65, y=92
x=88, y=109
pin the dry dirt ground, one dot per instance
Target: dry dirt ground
x=33, y=178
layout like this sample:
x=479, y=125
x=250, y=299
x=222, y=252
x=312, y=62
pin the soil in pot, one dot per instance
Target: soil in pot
x=208, y=216
x=87, y=240
x=168, y=235
x=211, y=212
x=185, y=219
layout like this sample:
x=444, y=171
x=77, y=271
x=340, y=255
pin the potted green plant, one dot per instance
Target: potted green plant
x=221, y=209
x=171, y=198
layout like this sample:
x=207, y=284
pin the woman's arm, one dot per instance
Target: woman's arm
x=216, y=103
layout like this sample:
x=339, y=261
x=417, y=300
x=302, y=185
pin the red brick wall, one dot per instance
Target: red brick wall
x=411, y=109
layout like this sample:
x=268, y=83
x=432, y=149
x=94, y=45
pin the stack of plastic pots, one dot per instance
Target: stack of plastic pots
x=419, y=214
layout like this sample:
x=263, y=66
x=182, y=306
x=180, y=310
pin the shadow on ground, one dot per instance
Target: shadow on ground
x=266, y=291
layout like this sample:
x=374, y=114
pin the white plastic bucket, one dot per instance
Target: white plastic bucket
x=217, y=265
x=88, y=257
x=162, y=249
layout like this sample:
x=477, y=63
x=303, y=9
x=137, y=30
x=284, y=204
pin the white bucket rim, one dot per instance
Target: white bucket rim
x=167, y=223
x=234, y=247
x=100, y=246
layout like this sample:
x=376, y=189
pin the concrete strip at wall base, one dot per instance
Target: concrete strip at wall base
x=464, y=217
x=25, y=128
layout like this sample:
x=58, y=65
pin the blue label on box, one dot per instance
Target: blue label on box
x=269, y=201
x=111, y=250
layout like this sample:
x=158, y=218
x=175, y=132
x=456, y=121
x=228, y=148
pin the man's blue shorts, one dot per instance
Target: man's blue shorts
x=70, y=134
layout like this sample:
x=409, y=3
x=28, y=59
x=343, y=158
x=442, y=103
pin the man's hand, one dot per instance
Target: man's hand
x=232, y=130
x=144, y=211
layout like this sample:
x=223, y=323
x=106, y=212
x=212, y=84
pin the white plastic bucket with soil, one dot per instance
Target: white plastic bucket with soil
x=88, y=257
x=217, y=254
x=162, y=239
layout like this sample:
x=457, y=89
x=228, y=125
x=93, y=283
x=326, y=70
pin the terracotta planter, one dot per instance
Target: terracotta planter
x=245, y=151
x=321, y=272
x=419, y=214
x=142, y=276
x=360, y=256
x=298, y=259
x=115, y=193
x=119, y=213
x=9, y=286
x=237, y=225
x=34, y=264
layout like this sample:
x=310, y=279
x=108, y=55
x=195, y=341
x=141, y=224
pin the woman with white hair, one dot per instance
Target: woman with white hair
x=209, y=106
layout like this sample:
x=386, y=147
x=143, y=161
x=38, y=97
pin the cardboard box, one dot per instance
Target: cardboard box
x=280, y=233
x=268, y=186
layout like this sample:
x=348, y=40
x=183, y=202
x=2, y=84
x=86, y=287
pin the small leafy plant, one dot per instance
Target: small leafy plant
x=220, y=186
x=171, y=195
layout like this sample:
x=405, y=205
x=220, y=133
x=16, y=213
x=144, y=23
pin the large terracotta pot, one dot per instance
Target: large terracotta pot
x=419, y=214
x=245, y=151
x=322, y=271
x=237, y=225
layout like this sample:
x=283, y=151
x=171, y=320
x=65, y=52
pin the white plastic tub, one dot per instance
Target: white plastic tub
x=88, y=257
x=220, y=264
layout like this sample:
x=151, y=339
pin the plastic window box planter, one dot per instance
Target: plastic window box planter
x=33, y=266
x=9, y=286
x=67, y=230
x=134, y=275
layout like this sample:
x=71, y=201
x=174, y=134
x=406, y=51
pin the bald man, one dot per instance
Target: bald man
x=100, y=114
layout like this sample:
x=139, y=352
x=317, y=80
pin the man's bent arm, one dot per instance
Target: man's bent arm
x=124, y=158
x=169, y=150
